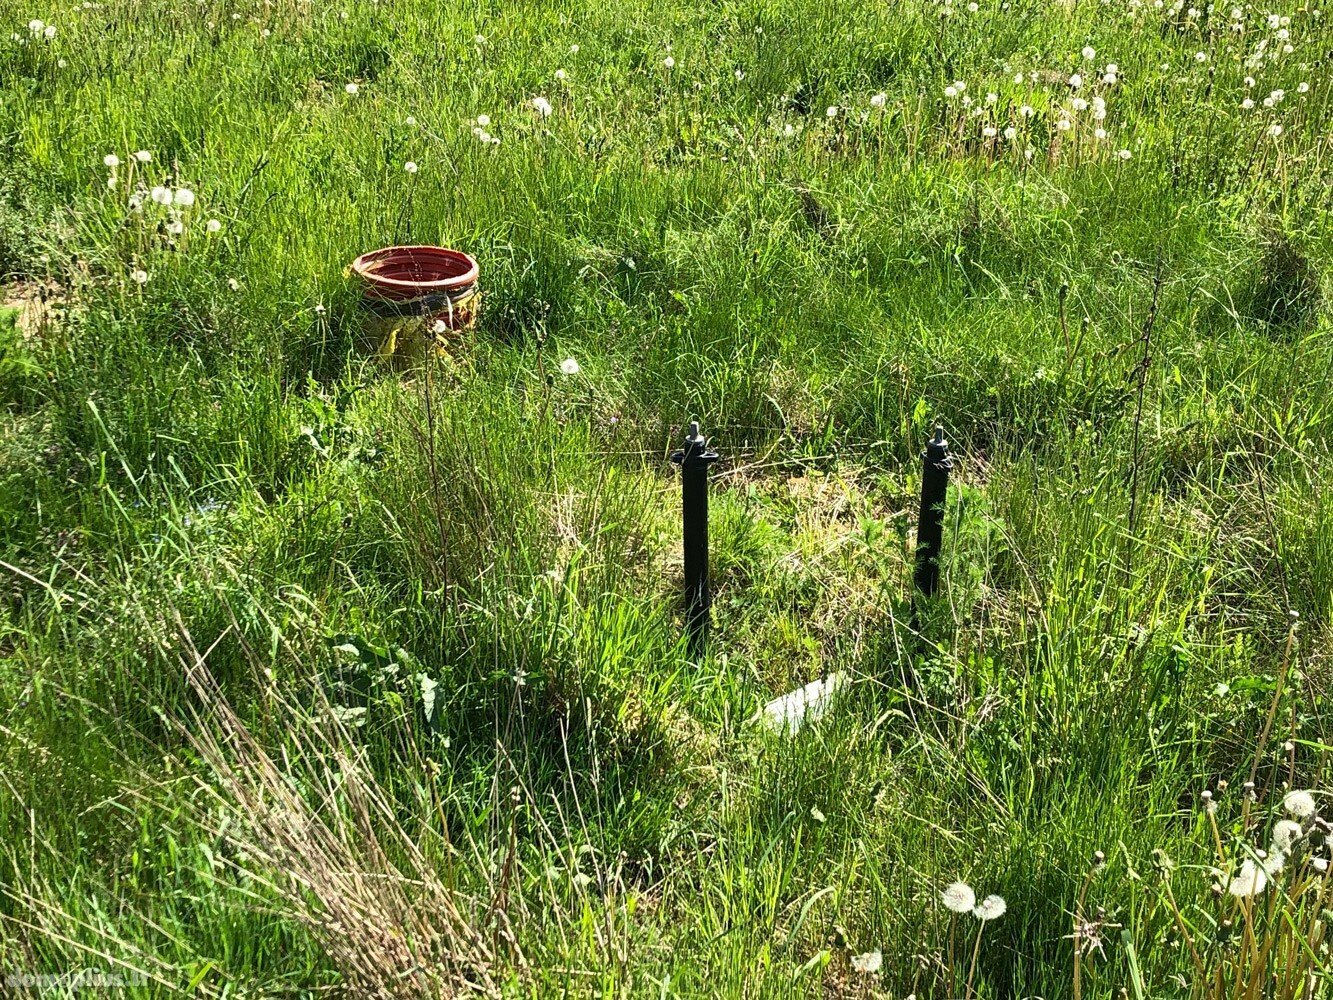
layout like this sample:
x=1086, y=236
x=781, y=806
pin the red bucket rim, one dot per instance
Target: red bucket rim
x=463, y=266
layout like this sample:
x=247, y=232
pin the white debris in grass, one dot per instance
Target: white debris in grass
x=806, y=704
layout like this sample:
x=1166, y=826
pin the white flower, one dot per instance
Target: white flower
x=1249, y=81
x=869, y=963
x=542, y=106
x=213, y=226
x=1302, y=87
x=1124, y=154
x=1275, y=130
x=233, y=284
x=1247, y=104
x=161, y=195
x=111, y=160
x=958, y=897
x=990, y=908
x=992, y=97
x=439, y=326
x=879, y=100
x=410, y=120
x=1010, y=132
x=36, y=26
x=831, y=111
x=1089, y=52
x=989, y=131
x=175, y=227
x=1075, y=81
x=789, y=130
x=574, y=50
x=50, y=31
x=1079, y=104
x=479, y=39
x=1112, y=68
x=1026, y=111
x=483, y=121
x=1064, y=124
x=669, y=62
x=1250, y=880
x=351, y=88
x=951, y=91
x=111, y=183
x=183, y=197
x=1099, y=133
x=1299, y=804
x=139, y=277
x=1285, y=833
x=143, y=156
x=1201, y=57
x=561, y=75
x=570, y=367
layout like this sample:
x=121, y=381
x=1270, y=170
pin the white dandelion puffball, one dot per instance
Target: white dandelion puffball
x=574, y=50
x=111, y=160
x=143, y=156
x=1124, y=154
x=1299, y=804
x=1075, y=81
x=352, y=88
x=1275, y=130
x=1099, y=133
x=439, y=326
x=213, y=226
x=479, y=39
x=570, y=367
x=951, y=92
x=36, y=26
x=1026, y=111
x=869, y=963
x=183, y=197
x=1010, y=132
x=1285, y=833
x=233, y=284
x=1249, y=881
x=1089, y=52
x=410, y=166
x=1201, y=57
x=1064, y=124
x=542, y=106
x=140, y=277
x=990, y=908
x=1079, y=104
x=990, y=132
x=1247, y=104
x=831, y=111
x=561, y=75
x=50, y=31
x=175, y=227
x=958, y=897
x=669, y=62
x=483, y=121
x=161, y=195
x=879, y=100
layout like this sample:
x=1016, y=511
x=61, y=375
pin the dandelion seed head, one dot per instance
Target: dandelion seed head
x=869, y=963
x=570, y=367
x=143, y=156
x=1299, y=804
x=213, y=226
x=991, y=908
x=1249, y=880
x=879, y=100
x=352, y=88
x=1089, y=52
x=410, y=166
x=958, y=897
x=542, y=106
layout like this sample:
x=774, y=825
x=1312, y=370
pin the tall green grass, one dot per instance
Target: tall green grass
x=317, y=676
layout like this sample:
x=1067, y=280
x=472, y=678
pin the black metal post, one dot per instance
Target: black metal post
x=694, y=459
x=935, y=466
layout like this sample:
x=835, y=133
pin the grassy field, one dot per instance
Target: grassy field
x=318, y=677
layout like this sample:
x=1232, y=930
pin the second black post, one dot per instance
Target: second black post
x=935, y=466
x=694, y=459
